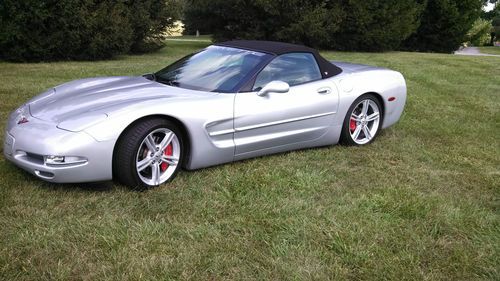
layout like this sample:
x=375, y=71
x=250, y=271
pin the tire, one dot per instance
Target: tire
x=148, y=154
x=360, y=127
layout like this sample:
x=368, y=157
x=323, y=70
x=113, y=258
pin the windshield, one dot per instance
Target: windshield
x=214, y=69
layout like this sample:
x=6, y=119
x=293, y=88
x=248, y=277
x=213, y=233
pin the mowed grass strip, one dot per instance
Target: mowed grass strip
x=492, y=50
x=421, y=203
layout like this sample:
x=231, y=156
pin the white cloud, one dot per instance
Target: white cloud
x=489, y=7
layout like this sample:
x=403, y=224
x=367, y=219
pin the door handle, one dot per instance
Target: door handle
x=324, y=91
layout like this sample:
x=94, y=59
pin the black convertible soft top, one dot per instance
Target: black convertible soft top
x=278, y=48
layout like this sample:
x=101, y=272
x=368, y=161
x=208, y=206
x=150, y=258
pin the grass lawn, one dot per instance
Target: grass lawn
x=421, y=203
x=490, y=50
x=192, y=37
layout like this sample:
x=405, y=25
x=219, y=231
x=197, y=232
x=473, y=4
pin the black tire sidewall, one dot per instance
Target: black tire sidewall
x=128, y=152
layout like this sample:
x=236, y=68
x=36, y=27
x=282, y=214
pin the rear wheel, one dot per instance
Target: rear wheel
x=363, y=121
x=148, y=154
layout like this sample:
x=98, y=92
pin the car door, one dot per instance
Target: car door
x=302, y=114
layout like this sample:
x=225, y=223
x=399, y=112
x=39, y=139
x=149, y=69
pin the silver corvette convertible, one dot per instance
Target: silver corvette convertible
x=227, y=102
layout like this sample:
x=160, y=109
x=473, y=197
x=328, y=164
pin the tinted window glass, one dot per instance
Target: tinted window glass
x=294, y=68
x=215, y=69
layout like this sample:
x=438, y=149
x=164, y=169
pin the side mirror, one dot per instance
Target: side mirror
x=274, y=87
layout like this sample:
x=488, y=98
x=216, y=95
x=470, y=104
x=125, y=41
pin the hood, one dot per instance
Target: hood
x=92, y=97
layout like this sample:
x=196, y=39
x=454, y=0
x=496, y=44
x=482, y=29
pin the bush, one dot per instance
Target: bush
x=33, y=30
x=240, y=19
x=479, y=34
x=372, y=25
x=314, y=27
x=496, y=26
x=444, y=25
x=344, y=24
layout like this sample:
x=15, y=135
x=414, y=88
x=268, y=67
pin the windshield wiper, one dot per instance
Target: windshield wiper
x=150, y=76
x=173, y=83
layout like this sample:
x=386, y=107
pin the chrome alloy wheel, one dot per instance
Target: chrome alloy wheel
x=364, y=122
x=158, y=156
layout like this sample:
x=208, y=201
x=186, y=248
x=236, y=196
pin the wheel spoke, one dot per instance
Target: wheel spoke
x=150, y=143
x=373, y=117
x=356, y=133
x=155, y=174
x=166, y=140
x=366, y=104
x=151, y=156
x=368, y=135
x=355, y=117
x=143, y=164
x=170, y=160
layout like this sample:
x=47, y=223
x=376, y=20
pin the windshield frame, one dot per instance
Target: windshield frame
x=266, y=58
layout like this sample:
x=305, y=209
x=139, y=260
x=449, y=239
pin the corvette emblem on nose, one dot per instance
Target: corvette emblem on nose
x=22, y=120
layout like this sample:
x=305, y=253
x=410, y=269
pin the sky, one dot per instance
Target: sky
x=489, y=7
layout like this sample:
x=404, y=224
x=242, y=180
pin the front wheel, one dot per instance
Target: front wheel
x=363, y=121
x=149, y=154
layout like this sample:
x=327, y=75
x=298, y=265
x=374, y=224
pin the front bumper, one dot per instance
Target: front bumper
x=26, y=144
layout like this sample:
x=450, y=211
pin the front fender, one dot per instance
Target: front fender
x=208, y=121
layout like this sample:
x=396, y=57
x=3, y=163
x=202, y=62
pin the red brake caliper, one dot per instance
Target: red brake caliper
x=352, y=125
x=167, y=152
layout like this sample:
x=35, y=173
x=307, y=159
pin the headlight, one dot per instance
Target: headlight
x=53, y=160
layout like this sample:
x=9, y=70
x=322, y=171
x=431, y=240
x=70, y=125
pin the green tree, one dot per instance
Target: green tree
x=493, y=14
x=479, y=34
x=34, y=30
x=373, y=25
x=342, y=24
x=149, y=20
x=444, y=25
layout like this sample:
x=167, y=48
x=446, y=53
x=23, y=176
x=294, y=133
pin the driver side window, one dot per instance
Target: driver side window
x=293, y=68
